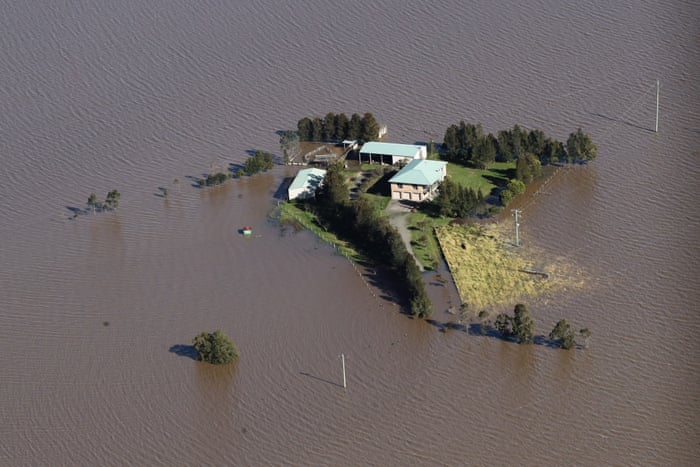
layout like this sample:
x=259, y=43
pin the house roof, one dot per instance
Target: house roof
x=420, y=172
x=308, y=178
x=393, y=149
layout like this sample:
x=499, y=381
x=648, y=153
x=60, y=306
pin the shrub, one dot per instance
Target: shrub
x=214, y=347
x=506, y=196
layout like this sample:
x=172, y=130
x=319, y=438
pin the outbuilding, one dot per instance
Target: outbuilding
x=391, y=153
x=305, y=183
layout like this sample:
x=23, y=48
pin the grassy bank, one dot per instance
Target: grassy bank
x=488, y=270
x=291, y=214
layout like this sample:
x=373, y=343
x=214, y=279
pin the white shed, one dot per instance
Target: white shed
x=305, y=183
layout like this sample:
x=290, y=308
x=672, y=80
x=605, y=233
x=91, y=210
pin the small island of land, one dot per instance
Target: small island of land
x=482, y=174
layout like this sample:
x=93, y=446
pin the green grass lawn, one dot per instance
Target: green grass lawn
x=378, y=202
x=481, y=179
x=423, y=242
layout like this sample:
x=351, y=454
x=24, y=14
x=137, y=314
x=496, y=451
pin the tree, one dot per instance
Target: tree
x=214, y=347
x=369, y=128
x=580, y=147
x=333, y=192
x=483, y=152
x=528, y=167
x=260, y=161
x=289, y=143
x=316, y=129
x=112, y=201
x=450, y=142
x=516, y=186
x=535, y=142
x=505, y=146
x=92, y=202
x=341, y=126
x=506, y=196
x=304, y=129
x=523, y=324
x=328, y=132
x=563, y=335
x=354, y=127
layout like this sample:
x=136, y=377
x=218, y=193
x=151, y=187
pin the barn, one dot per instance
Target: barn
x=391, y=153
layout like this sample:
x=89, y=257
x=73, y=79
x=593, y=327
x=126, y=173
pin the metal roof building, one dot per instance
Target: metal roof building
x=383, y=152
x=418, y=181
x=305, y=183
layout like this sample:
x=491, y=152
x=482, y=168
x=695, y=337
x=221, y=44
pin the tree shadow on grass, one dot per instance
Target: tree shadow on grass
x=182, y=350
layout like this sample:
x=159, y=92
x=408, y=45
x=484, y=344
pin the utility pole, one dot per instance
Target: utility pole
x=342, y=359
x=516, y=213
x=657, y=107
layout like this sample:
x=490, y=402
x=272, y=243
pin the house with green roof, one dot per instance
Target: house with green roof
x=391, y=153
x=305, y=183
x=418, y=181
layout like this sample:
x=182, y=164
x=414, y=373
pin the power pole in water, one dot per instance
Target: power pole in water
x=516, y=213
x=657, y=107
x=342, y=359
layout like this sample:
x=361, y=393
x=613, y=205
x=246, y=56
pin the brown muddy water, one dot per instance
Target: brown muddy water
x=132, y=95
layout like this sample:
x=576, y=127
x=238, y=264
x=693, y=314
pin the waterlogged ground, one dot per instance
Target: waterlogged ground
x=489, y=270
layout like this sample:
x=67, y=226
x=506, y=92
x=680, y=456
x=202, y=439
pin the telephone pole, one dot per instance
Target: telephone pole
x=516, y=213
x=656, y=129
x=342, y=359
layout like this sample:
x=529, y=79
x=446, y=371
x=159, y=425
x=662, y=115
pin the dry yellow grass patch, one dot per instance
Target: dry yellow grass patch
x=488, y=270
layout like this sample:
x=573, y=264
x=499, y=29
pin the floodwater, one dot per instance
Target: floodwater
x=133, y=95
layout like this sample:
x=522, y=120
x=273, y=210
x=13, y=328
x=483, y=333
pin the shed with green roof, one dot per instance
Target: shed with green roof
x=391, y=153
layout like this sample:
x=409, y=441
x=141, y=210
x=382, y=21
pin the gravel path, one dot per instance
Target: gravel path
x=396, y=213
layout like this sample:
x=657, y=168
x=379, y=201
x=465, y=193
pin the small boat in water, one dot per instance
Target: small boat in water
x=247, y=230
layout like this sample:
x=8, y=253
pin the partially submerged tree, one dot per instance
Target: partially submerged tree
x=112, y=201
x=580, y=147
x=520, y=326
x=563, y=335
x=214, y=347
x=289, y=143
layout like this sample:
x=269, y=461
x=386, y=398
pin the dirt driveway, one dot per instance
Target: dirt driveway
x=397, y=213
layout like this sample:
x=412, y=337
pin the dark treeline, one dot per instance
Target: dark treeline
x=467, y=144
x=454, y=200
x=371, y=233
x=337, y=127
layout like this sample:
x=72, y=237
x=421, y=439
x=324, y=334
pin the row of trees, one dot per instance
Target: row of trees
x=371, y=233
x=258, y=162
x=521, y=328
x=467, y=144
x=110, y=202
x=454, y=200
x=337, y=127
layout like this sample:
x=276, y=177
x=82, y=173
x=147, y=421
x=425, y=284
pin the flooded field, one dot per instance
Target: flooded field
x=133, y=96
